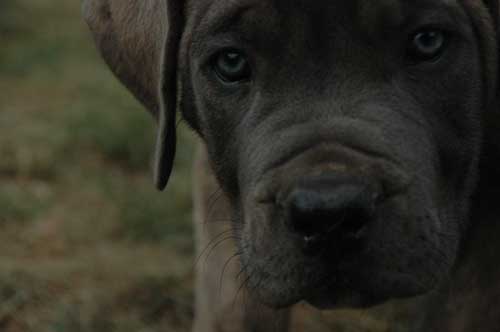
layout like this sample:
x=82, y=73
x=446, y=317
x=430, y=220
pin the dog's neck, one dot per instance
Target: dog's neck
x=471, y=298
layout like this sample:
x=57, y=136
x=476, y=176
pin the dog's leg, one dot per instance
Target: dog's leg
x=221, y=303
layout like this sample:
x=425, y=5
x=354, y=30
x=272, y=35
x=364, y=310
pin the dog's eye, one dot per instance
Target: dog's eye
x=427, y=45
x=232, y=66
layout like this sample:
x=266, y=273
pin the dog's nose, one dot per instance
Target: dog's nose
x=330, y=207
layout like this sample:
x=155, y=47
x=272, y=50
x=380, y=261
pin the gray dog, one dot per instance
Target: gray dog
x=354, y=141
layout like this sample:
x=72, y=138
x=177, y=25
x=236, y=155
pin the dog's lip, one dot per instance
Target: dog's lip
x=344, y=144
x=395, y=179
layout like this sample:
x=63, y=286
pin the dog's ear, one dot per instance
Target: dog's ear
x=485, y=16
x=166, y=141
x=139, y=40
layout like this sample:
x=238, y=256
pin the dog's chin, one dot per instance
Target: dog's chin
x=374, y=290
x=378, y=290
x=335, y=300
x=344, y=299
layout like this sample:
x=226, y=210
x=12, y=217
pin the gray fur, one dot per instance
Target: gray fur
x=330, y=95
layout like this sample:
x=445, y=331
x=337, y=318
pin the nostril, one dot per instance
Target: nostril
x=318, y=211
x=307, y=215
x=354, y=221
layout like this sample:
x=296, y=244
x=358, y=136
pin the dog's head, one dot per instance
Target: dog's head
x=347, y=134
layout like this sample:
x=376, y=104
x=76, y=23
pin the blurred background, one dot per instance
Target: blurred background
x=86, y=242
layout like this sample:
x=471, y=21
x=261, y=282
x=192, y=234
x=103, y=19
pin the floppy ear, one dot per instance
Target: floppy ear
x=139, y=40
x=166, y=141
x=485, y=16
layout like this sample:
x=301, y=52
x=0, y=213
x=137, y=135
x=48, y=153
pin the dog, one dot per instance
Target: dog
x=354, y=144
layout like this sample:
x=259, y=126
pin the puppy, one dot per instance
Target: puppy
x=354, y=143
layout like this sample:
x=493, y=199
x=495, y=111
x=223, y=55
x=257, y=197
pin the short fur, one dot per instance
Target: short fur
x=330, y=96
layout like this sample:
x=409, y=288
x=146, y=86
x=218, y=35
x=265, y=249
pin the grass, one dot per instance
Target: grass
x=86, y=242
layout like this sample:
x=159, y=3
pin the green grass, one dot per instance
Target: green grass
x=84, y=236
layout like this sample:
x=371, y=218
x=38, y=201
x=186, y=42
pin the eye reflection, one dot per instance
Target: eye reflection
x=427, y=45
x=232, y=66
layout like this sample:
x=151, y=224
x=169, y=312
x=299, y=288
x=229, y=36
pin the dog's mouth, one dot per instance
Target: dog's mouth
x=328, y=233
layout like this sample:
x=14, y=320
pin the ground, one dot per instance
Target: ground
x=86, y=242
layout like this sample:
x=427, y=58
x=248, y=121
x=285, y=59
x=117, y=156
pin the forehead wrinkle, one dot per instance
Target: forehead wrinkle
x=221, y=16
x=250, y=24
x=400, y=13
x=453, y=8
x=372, y=13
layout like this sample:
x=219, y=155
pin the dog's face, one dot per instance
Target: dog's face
x=346, y=134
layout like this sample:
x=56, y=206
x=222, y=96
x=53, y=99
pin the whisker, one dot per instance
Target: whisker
x=243, y=284
x=221, y=279
x=231, y=237
x=210, y=243
x=212, y=205
x=213, y=195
